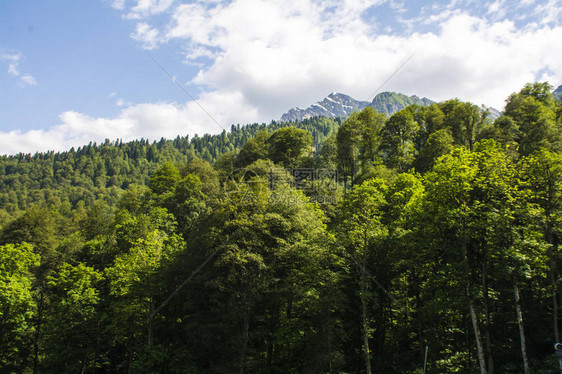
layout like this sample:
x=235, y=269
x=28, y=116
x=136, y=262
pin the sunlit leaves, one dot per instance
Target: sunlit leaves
x=17, y=305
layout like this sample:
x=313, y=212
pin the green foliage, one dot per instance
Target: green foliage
x=145, y=257
x=359, y=139
x=465, y=120
x=255, y=149
x=398, y=140
x=164, y=179
x=404, y=198
x=327, y=157
x=392, y=102
x=438, y=144
x=362, y=211
x=287, y=146
x=533, y=110
x=96, y=220
x=557, y=94
x=74, y=324
x=17, y=305
x=371, y=124
x=97, y=171
x=258, y=301
x=135, y=281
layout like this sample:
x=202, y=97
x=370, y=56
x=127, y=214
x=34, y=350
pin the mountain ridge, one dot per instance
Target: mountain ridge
x=341, y=105
x=334, y=105
x=558, y=93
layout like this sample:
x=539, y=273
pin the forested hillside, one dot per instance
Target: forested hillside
x=81, y=175
x=426, y=241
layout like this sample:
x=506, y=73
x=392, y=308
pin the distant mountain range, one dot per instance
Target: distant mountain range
x=341, y=105
x=558, y=93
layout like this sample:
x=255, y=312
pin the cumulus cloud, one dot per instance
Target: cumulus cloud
x=256, y=59
x=148, y=120
x=142, y=8
x=145, y=8
x=147, y=35
x=118, y=4
x=293, y=53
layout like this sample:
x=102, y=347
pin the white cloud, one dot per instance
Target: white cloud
x=13, y=65
x=118, y=4
x=549, y=12
x=269, y=56
x=294, y=53
x=13, y=69
x=148, y=120
x=146, y=8
x=14, y=57
x=28, y=80
x=149, y=36
x=497, y=9
x=122, y=102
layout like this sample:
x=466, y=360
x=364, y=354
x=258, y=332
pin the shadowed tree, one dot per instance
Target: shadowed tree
x=288, y=145
x=398, y=137
x=254, y=149
x=360, y=230
x=533, y=111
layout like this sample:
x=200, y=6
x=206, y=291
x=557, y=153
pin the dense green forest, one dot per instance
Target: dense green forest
x=81, y=175
x=422, y=242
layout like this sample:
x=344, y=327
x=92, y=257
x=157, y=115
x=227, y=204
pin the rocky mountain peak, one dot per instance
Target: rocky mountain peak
x=341, y=105
x=558, y=93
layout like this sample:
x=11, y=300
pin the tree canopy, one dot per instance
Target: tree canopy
x=426, y=242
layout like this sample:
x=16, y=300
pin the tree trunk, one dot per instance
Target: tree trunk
x=487, y=317
x=129, y=358
x=521, y=326
x=381, y=332
x=366, y=349
x=473, y=317
x=479, y=348
x=94, y=361
x=549, y=237
x=468, y=346
x=37, y=334
x=149, y=322
x=244, y=340
x=420, y=324
x=274, y=321
x=329, y=350
x=554, y=302
x=352, y=172
x=363, y=297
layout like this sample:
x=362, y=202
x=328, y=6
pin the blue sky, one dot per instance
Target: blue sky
x=73, y=72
